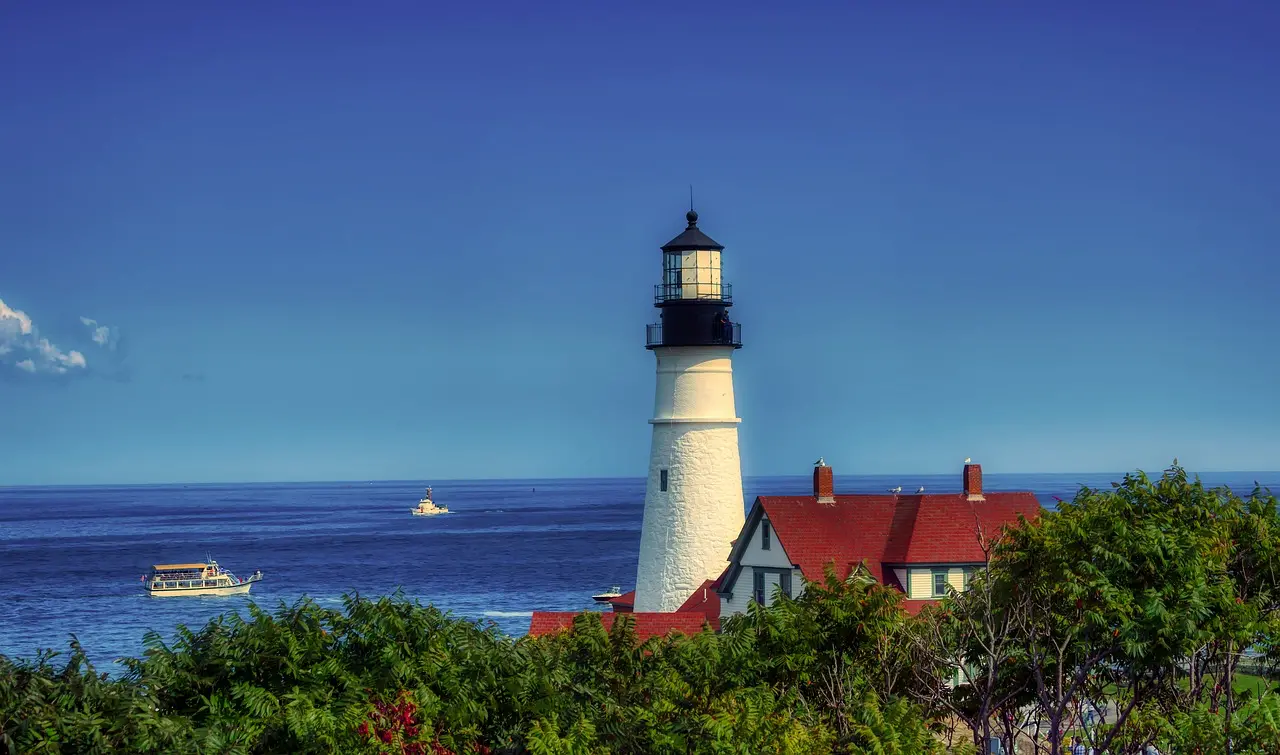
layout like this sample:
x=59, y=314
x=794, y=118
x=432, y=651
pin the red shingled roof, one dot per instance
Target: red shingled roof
x=705, y=600
x=646, y=624
x=888, y=529
x=946, y=527
x=702, y=606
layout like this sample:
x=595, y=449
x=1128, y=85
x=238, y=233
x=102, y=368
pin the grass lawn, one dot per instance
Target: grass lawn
x=1255, y=684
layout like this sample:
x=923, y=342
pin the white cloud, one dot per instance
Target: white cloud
x=101, y=334
x=14, y=324
x=19, y=337
x=56, y=358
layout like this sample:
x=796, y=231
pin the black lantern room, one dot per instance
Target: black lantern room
x=693, y=299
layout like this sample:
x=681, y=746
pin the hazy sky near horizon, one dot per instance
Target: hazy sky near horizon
x=296, y=241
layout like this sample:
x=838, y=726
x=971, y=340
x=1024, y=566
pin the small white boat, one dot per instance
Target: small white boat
x=170, y=580
x=608, y=595
x=426, y=507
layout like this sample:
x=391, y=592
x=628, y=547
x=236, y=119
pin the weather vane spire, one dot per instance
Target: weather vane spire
x=690, y=197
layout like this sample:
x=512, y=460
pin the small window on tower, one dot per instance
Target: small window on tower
x=764, y=534
x=662, y=480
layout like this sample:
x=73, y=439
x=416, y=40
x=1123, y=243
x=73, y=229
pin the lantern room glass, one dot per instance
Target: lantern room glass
x=693, y=274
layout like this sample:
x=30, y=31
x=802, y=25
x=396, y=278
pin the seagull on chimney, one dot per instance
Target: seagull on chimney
x=820, y=462
x=967, y=460
x=921, y=490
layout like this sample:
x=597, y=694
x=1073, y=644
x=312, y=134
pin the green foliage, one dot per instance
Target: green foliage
x=1202, y=728
x=898, y=728
x=1137, y=572
x=834, y=624
x=393, y=676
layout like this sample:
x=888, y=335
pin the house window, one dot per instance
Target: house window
x=662, y=480
x=969, y=571
x=764, y=534
x=784, y=582
x=758, y=587
x=939, y=583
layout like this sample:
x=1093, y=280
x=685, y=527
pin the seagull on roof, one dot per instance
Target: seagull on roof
x=896, y=490
x=921, y=490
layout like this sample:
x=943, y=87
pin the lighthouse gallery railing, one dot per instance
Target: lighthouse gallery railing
x=723, y=336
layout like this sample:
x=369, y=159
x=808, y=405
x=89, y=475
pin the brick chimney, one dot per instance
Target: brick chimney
x=973, y=481
x=824, y=486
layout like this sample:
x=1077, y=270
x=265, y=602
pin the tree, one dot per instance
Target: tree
x=975, y=638
x=1124, y=586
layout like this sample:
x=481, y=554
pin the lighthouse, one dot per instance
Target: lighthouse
x=693, y=506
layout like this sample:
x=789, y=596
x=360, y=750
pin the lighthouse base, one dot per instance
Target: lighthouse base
x=690, y=521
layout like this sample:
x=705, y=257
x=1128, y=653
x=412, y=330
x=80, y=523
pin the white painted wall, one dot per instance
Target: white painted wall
x=754, y=554
x=695, y=383
x=738, y=604
x=745, y=585
x=743, y=590
x=687, y=530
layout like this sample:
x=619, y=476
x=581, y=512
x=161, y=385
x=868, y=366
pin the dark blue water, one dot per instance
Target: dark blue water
x=71, y=558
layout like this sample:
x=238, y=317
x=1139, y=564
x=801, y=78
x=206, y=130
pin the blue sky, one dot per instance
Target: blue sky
x=417, y=240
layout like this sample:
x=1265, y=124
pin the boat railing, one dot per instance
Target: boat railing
x=179, y=578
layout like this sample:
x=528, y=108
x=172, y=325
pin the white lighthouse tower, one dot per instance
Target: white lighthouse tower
x=693, y=506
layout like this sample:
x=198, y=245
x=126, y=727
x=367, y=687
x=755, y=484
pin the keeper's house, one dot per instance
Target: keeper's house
x=922, y=544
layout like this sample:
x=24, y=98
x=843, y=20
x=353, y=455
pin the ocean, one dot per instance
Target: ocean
x=71, y=558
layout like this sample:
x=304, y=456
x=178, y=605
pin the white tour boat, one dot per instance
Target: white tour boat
x=605, y=597
x=428, y=508
x=168, y=580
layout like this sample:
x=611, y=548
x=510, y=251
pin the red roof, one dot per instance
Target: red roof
x=646, y=624
x=705, y=600
x=913, y=607
x=886, y=530
x=624, y=603
x=702, y=606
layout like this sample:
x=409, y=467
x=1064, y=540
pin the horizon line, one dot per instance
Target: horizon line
x=437, y=481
